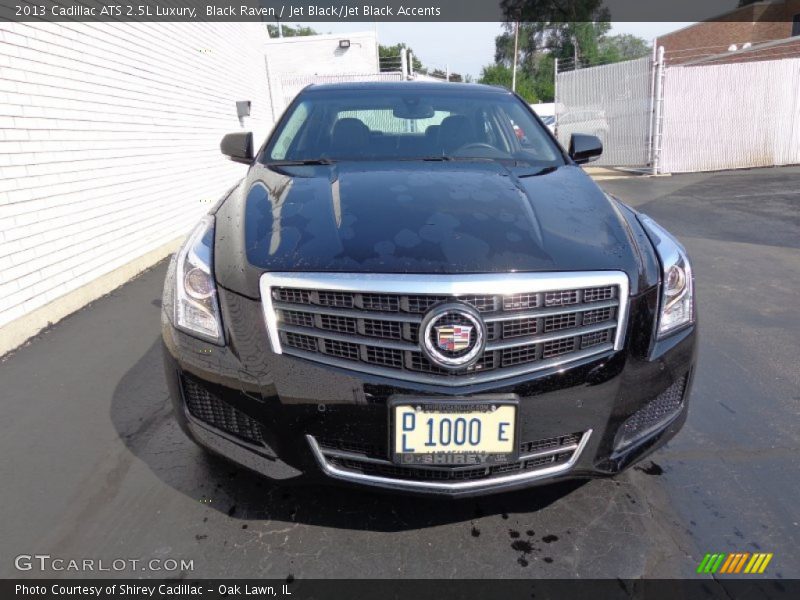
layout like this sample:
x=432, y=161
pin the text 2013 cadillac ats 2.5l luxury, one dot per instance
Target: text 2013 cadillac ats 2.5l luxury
x=415, y=288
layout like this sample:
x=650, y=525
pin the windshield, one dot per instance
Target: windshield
x=380, y=124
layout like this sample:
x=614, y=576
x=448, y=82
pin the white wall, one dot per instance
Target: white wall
x=544, y=109
x=731, y=116
x=295, y=62
x=321, y=55
x=109, y=143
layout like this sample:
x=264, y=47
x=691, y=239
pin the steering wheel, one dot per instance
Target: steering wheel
x=476, y=146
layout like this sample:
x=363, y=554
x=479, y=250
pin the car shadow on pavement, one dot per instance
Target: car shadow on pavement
x=141, y=413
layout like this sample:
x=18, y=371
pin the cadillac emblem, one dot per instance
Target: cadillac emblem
x=452, y=335
x=453, y=338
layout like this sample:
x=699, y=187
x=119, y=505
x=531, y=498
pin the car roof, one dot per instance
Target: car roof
x=424, y=86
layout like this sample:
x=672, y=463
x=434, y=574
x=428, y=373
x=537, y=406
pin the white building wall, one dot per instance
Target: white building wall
x=731, y=116
x=109, y=143
x=294, y=62
x=321, y=54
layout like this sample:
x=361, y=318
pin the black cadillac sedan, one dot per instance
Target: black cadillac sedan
x=415, y=288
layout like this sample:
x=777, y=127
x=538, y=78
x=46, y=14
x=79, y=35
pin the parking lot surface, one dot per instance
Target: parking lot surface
x=95, y=467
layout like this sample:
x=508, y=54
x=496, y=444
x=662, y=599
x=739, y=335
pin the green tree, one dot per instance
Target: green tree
x=290, y=30
x=576, y=32
x=500, y=74
x=616, y=48
x=390, y=58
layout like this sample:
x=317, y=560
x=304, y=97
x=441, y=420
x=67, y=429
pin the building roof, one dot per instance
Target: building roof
x=765, y=51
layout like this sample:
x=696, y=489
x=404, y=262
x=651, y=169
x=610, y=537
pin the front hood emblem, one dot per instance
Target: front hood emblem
x=452, y=335
x=453, y=338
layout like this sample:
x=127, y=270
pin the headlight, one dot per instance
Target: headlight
x=677, y=285
x=196, y=306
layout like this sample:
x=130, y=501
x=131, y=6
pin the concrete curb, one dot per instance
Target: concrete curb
x=606, y=173
x=17, y=332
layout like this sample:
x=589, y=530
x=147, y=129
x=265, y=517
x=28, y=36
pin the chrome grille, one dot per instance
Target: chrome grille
x=384, y=329
x=520, y=301
x=334, y=323
x=385, y=302
x=298, y=318
x=341, y=349
x=558, y=347
x=559, y=318
x=519, y=327
x=335, y=299
x=386, y=357
x=300, y=341
x=561, y=298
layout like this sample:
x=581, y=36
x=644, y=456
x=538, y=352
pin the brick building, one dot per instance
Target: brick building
x=758, y=31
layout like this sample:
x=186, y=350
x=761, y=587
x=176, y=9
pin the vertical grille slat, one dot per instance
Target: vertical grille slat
x=372, y=330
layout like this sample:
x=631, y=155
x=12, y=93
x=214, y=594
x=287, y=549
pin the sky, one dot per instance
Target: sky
x=464, y=47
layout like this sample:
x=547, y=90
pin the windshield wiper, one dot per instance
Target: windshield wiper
x=542, y=171
x=294, y=163
x=446, y=158
x=433, y=158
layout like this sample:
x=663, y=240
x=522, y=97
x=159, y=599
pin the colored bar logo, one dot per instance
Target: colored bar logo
x=737, y=562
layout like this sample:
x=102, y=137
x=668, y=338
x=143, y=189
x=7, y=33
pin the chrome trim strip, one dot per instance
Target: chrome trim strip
x=382, y=461
x=353, y=338
x=351, y=455
x=509, y=315
x=349, y=312
x=558, y=334
x=490, y=317
x=438, y=486
x=549, y=452
x=573, y=359
x=452, y=285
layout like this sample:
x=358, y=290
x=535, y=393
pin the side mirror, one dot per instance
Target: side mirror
x=584, y=148
x=238, y=147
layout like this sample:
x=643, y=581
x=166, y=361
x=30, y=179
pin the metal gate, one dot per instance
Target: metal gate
x=730, y=116
x=613, y=102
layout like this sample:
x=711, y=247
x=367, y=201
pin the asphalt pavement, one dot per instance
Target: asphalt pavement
x=94, y=466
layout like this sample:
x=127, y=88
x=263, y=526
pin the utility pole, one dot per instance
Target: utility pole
x=404, y=62
x=555, y=95
x=514, y=68
x=659, y=107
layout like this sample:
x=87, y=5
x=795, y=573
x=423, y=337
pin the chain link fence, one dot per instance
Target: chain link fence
x=613, y=102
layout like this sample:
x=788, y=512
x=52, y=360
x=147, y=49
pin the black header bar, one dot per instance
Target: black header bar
x=410, y=11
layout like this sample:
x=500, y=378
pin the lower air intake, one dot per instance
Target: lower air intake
x=206, y=406
x=653, y=415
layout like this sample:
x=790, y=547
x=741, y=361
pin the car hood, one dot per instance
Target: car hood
x=417, y=217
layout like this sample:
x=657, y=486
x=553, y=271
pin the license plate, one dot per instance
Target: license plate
x=454, y=433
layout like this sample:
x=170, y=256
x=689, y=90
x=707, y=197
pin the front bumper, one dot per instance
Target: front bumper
x=293, y=420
